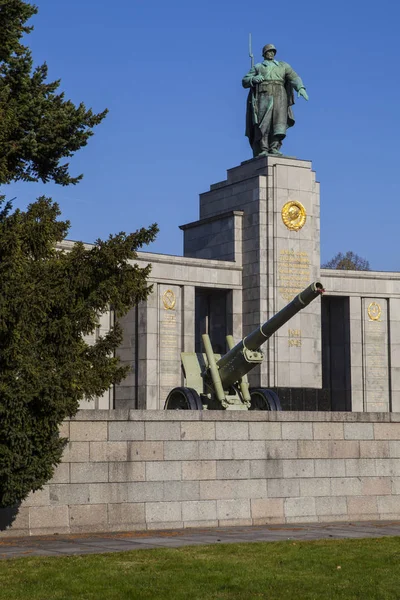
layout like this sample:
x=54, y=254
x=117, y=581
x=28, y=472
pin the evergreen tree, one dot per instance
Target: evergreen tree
x=38, y=127
x=49, y=298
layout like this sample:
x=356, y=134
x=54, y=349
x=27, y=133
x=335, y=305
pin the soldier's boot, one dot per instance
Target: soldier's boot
x=264, y=149
x=275, y=146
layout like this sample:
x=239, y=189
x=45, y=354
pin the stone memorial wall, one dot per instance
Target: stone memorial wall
x=142, y=470
x=257, y=244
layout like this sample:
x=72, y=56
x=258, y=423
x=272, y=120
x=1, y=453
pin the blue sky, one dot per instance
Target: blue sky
x=170, y=74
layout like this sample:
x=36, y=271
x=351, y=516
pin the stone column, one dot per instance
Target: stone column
x=188, y=309
x=172, y=320
x=148, y=362
x=126, y=392
x=292, y=262
x=234, y=314
x=280, y=256
x=357, y=378
x=376, y=372
x=394, y=333
x=165, y=326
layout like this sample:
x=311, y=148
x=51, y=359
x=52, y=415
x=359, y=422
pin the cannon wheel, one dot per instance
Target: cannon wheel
x=264, y=399
x=183, y=398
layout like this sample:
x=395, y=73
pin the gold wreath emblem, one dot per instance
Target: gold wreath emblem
x=374, y=311
x=294, y=215
x=169, y=300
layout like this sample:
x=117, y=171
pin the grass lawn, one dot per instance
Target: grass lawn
x=348, y=569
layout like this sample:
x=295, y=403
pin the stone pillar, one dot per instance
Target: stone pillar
x=234, y=315
x=107, y=399
x=357, y=379
x=292, y=262
x=188, y=310
x=394, y=333
x=376, y=372
x=165, y=327
x=171, y=322
x=126, y=391
x=148, y=363
x=280, y=255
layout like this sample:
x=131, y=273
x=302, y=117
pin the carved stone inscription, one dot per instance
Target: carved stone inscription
x=293, y=273
x=294, y=337
x=376, y=375
x=169, y=338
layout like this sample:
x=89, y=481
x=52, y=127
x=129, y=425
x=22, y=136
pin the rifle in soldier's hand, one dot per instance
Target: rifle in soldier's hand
x=255, y=87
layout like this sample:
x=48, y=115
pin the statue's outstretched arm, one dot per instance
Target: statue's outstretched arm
x=294, y=79
x=296, y=82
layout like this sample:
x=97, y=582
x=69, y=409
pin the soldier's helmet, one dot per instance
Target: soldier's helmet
x=268, y=47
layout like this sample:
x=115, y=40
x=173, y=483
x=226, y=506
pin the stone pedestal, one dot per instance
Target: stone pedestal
x=266, y=217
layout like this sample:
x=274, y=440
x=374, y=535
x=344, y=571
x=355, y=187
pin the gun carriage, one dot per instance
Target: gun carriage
x=216, y=382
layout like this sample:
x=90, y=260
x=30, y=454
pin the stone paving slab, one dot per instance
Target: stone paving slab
x=123, y=541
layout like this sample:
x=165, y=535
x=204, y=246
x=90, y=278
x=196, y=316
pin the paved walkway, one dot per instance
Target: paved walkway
x=62, y=545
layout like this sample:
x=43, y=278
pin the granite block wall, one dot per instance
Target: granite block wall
x=136, y=470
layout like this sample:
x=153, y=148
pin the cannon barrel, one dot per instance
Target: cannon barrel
x=238, y=361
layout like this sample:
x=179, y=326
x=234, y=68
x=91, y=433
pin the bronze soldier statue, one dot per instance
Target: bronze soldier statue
x=269, y=104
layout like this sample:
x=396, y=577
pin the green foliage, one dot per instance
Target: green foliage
x=39, y=127
x=49, y=299
x=347, y=262
x=13, y=17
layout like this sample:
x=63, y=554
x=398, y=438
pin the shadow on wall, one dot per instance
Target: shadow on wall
x=8, y=516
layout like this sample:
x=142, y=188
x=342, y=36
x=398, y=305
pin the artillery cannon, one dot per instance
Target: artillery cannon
x=218, y=382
